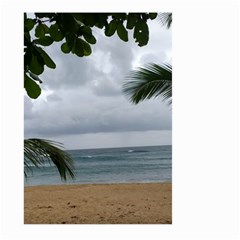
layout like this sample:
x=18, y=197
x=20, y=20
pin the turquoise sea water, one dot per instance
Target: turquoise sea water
x=111, y=165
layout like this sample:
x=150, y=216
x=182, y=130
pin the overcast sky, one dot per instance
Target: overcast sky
x=82, y=104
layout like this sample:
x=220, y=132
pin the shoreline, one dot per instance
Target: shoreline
x=107, y=203
x=105, y=183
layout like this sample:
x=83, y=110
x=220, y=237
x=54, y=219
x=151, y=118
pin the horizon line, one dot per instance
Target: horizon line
x=117, y=147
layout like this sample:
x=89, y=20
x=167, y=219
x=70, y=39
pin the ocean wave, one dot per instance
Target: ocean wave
x=137, y=151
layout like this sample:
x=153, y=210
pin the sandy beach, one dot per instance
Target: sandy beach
x=143, y=203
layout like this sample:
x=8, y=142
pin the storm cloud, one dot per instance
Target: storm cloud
x=84, y=95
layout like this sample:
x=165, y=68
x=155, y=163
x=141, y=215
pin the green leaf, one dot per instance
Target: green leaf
x=131, y=20
x=141, y=33
x=42, y=15
x=69, y=23
x=27, y=39
x=29, y=24
x=81, y=48
x=55, y=33
x=86, y=48
x=47, y=60
x=65, y=48
x=78, y=48
x=119, y=16
x=152, y=15
x=40, y=30
x=87, y=34
x=148, y=82
x=45, y=41
x=89, y=19
x=111, y=28
x=78, y=16
x=39, y=151
x=89, y=38
x=122, y=32
x=144, y=16
x=27, y=57
x=32, y=88
x=53, y=29
x=102, y=20
x=46, y=28
x=70, y=39
x=36, y=66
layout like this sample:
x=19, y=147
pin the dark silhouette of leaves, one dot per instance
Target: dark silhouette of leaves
x=149, y=82
x=39, y=151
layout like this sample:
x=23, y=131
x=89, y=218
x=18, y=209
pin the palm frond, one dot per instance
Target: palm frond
x=165, y=19
x=149, y=82
x=39, y=151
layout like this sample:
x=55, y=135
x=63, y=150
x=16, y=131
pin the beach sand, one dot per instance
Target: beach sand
x=144, y=203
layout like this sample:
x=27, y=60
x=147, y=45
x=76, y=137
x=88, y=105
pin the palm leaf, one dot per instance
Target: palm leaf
x=149, y=82
x=165, y=19
x=38, y=151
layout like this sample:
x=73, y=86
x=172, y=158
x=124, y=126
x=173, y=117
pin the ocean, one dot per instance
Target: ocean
x=111, y=165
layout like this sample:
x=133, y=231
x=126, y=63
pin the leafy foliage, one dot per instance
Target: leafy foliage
x=153, y=80
x=149, y=82
x=75, y=32
x=32, y=88
x=165, y=19
x=39, y=151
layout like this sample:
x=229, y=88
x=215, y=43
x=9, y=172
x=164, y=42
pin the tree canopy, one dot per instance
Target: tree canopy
x=152, y=80
x=74, y=30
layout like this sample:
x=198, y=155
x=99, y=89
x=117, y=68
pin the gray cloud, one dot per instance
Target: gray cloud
x=71, y=71
x=84, y=95
x=54, y=98
x=75, y=115
x=28, y=108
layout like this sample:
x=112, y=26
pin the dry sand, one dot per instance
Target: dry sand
x=99, y=204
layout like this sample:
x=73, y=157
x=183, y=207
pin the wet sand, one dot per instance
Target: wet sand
x=143, y=203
